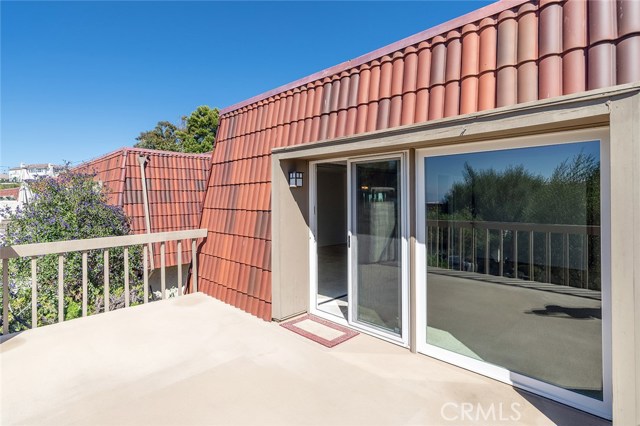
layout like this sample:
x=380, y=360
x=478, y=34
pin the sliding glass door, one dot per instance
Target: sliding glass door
x=512, y=265
x=359, y=272
x=377, y=232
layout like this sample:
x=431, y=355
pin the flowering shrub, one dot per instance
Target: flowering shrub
x=70, y=207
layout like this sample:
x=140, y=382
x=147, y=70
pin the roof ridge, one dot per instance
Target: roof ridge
x=126, y=149
x=99, y=158
x=162, y=152
x=475, y=15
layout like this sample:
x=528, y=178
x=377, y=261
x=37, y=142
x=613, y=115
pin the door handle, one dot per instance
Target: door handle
x=348, y=241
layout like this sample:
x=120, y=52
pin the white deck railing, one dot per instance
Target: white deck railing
x=468, y=244
x=34, y=251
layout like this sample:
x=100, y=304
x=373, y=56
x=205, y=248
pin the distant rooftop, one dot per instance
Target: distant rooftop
x=38, y=166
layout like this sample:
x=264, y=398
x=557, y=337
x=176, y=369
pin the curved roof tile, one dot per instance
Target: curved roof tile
x=506, y=53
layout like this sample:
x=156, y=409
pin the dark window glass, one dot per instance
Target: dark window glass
x=513, y=260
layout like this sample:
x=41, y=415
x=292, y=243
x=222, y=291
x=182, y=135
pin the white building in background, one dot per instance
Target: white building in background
x=32, y=171
x=12, y=198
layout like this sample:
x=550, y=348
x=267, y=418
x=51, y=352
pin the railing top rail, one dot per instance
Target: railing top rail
x=518, y=226
x=59, y=247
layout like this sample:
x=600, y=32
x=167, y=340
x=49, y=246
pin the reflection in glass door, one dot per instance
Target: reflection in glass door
x=377, y=245
x=512, y=269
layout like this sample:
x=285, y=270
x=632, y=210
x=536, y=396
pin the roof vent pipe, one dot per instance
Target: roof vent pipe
x=143, y=160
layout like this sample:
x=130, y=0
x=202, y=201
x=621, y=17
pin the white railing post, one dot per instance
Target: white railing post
x=179, y=262
x=163, y=276
x=84, y=282
x=106, y=280
x=60, y=288
x=194, y=269
x=145, y=272
x=126, y=277
x=5, y=296
x=62, y=248
x=487, y=249
x=34, y=293
x=531, y=258
x=501, y=264
x=514, y=240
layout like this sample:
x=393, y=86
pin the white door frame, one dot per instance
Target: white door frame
x=403, y=339
x=582, y=402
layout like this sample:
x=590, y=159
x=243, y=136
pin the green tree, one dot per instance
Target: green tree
x=199, y=131
x=571, y=195
x=196, y=133
x=70, y=207
x=162, y=137
x=492, y=196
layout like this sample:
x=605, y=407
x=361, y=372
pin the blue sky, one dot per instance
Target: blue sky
x=80, y=79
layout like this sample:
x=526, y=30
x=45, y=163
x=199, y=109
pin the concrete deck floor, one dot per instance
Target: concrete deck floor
x=196, y=361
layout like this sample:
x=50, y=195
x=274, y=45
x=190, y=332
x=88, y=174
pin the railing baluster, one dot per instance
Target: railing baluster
x=474, y=249
x=126, y=277
x=437, y=246
x=515, y=254
x=449, y=243
x=547, y=255
x=586, y=260
x=163, y=277
x=84, y=282
x=460, y=250
x=486, y=252
x=5, y=296
x=194, y=262
x=34, y=293
x=565, y=243
x=501, y=265
x=531, y=259
x=60, y=288
x=84, y=247
x=145, y=272
x=429, y=243
x=179, y=263
x=106, y=280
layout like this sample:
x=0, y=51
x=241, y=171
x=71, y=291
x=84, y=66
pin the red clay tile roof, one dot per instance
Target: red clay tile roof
x=176, y=184
x=10, y=192
x=503, y=54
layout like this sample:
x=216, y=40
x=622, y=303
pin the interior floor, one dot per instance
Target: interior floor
x=332, y=280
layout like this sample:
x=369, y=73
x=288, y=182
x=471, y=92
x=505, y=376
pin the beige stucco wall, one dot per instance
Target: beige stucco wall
x=618, y=108
x=625, y=258
x=290, y=233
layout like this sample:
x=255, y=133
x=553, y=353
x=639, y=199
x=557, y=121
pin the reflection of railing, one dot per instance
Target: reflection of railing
x=61, y=248
x=560, y=253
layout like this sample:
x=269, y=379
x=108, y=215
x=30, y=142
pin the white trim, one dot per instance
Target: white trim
x=600, y=408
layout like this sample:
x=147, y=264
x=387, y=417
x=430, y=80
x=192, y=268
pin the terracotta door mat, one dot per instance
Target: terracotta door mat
x=319, y=330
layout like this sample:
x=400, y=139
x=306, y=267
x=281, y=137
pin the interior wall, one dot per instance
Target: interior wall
x=332, y=197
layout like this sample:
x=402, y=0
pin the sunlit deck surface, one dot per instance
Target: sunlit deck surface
x=195, y=360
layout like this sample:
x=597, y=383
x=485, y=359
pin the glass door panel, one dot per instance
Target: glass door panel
x=513, y=264
x=377, y=257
